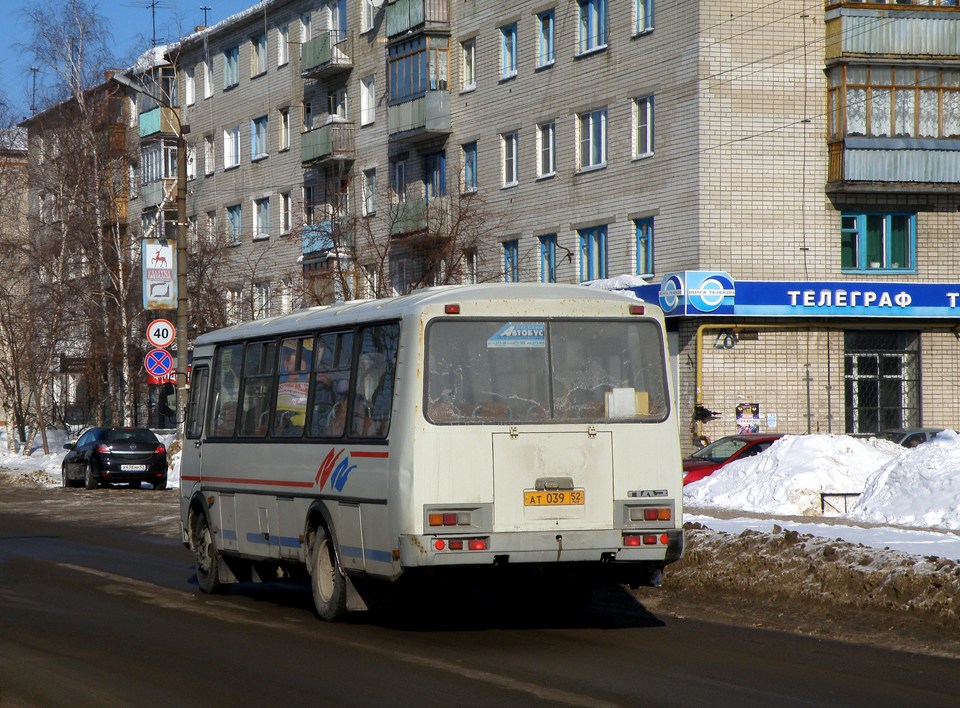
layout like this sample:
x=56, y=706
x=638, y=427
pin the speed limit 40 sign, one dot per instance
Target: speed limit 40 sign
x=161, y=333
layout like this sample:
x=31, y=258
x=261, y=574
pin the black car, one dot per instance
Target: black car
x=115, y=456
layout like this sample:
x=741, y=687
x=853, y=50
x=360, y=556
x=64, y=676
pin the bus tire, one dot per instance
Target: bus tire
x=206, y=557
x=327, y=582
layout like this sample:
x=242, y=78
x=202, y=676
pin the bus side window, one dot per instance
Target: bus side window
x=257, y=384
x=331, y=381
x=373, y=393
x=226, y=390
x=198, y=402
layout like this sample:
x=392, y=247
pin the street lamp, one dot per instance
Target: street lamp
x=182, y=302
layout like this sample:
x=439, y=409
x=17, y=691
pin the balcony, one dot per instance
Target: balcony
x=422, y=118
x=328, y=143
x=326, y=55
x=161, y=119
x=424, y=15
x=894, y=165
x=926, y=29
x=419, y=215
x=316, y=238
x=163, y=191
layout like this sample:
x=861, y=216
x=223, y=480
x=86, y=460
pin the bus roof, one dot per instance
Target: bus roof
x=394, y=308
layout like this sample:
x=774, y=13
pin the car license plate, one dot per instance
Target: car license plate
x=565, y=497
x=133, y=468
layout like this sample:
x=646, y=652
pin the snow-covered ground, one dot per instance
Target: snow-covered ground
x=909, y=499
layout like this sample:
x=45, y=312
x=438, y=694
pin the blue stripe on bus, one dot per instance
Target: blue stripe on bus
x=228, y=534
x=285, y=541
x=370, y=554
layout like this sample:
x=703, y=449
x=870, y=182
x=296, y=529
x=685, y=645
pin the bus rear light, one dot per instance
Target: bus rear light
x=456, y=544
x=644, y=539
x=631, y=539
x=439, y=544
x=637, y=309
x=459, y=544
x=451, y=309
x=477, y=544
x=449, y=518
x=651, y=513
x=649, y=539
x=664, y=539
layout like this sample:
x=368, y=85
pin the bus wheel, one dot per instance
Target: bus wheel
x=329, y=585
x=207, y=559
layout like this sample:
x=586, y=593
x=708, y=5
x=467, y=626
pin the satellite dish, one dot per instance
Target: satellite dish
x=377, y=3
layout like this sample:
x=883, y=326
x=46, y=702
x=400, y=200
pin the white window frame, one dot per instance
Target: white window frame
x=642, y=16
x=546, y=38
x=370, y=191
x=235, y=223
x=262, y=298
x=209, y=155
x=258, y=55
x=190, y=85
x=286, y=213
x=207, y=73
x=547, y=149
x=508, y=51
x=509, y=151
x=259, y=130
x=231, y=67
x=643, y=126
x=283, y=45
x=400, y=180
x=261, y=218
x=592, y=134
x=368, y=100
x=368, y=16
x=592, y=24
x=231, y=147
x=284, y=129
x=468, y=64
x=470, y=178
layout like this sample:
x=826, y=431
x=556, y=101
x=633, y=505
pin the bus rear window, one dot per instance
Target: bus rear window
x=560, y=370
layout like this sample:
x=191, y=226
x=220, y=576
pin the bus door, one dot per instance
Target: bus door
x=192, y=453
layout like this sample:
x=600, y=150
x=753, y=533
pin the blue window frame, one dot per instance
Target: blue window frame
x=231, y=67
x=878, y=242
x=593, y=253
x=644, y=246
x=416, y=66
x=511, y=261
x=258, y=138
x=545, y=52
x=435, y=175
x=593, y=24
x=508, y=51
x=642, y=16
x=470, y=167
x=235, y=222
x=548, y=258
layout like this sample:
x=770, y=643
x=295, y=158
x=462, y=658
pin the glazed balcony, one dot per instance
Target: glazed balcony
x=328, y=143
x=160, y=192
x=926, y=29
x=420, y=215
x=326, y=55
x=894, y=165
x=417, y=15
x=161, y=120
x=316, y=238
x=421, y=118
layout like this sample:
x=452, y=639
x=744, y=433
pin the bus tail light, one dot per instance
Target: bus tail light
x=637, y=309
x=480, y=543
x=449, y=518
x=651, y=513
x=633, y=540
x=451, y=309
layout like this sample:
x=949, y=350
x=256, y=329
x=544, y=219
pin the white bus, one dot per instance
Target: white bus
x=517, y=431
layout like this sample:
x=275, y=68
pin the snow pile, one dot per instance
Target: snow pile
x=790, y=476
x=920, y=488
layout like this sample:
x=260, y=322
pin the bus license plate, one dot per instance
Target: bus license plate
x=566, y=497
x=133, y=468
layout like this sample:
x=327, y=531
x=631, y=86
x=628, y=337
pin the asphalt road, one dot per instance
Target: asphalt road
x=99, y=607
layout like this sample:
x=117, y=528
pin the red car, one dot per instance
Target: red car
x=706, y=460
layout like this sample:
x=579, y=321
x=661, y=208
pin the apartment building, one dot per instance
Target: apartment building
x=781, y=178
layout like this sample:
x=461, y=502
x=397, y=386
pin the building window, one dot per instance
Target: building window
x=508, y=51
x=546, y=149
x=468, y=65
x=593, y=25
x=337, y=103
x=235, y=222
x=234, y=303
x=283, y=45
x=258, y=55
x=511, y=265
x=190, y=86
x=644, y=246
x=261, y=218
x=368, y=101
x=306, y=120
x=508, y=142
x=306, y=28
x=231, y=147
x=888, y=101
x=258, y=138
x=642, y=16
x=548, y=258
x=470, y=167
x=261, y=300
x=207, y=74
x=369, y=15
x=209, y=157
x=416, y=66
x=231, y=67
x=369, y=192
x=471, y=265
x=872, y=242
x=643, y=126
x=284, y=136
x=211, y=224
x=593, y=253
x=545, y=52
x=592, y=127
x=435, y=175
x=286, y=215
x=399, y=184
x=881, y=380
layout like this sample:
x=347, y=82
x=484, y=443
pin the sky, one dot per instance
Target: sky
x=131, y=26
x=909, y=498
